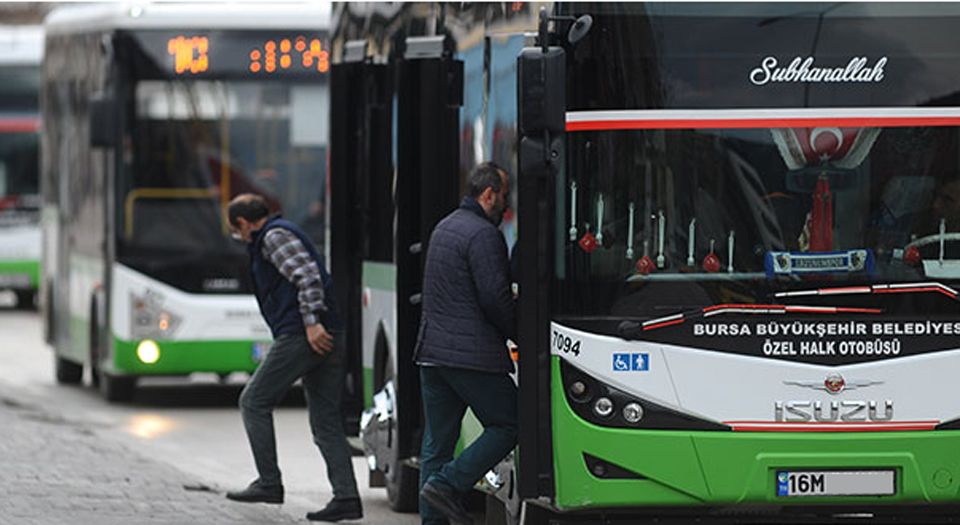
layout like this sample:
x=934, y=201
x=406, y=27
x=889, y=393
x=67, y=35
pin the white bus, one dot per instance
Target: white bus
x=154, y=117
x=21, y=52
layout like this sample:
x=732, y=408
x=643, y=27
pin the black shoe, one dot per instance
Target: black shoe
x=447, y=502
x=338, y=509
x=257, y=493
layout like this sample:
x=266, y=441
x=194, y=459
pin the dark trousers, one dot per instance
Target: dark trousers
x=291, y=358
x=447, y=393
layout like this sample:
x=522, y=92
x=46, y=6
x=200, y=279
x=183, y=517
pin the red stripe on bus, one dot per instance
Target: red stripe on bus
x=848, y=122
x=663, y=324
x=19, y=125
x=759, y=426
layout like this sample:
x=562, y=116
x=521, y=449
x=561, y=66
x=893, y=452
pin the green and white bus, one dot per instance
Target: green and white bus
x=738, y=255
x=155, y=116
x=21, y=53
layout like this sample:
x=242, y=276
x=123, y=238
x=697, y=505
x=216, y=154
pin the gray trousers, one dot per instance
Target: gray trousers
x=291, y=358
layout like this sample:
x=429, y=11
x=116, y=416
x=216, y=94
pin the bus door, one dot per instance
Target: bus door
x=430, y=93
x=361, y=203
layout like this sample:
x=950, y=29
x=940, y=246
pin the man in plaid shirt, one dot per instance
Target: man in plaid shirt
x=295, y=295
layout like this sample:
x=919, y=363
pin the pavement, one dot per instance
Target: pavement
x=168, y=457
x=57, y=471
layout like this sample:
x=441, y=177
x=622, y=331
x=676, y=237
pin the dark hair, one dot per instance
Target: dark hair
x=250, y=206
x=486, y=175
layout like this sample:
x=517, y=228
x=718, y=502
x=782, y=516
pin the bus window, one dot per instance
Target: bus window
x=197, y=144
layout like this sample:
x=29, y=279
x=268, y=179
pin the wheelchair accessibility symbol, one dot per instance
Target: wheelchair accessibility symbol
x=638, y=362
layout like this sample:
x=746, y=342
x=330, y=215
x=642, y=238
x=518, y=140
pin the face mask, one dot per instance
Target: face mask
x=236, y=236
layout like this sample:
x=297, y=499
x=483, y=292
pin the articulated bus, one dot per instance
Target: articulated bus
x=155, y=116
x=21, y=52
x=738, y=252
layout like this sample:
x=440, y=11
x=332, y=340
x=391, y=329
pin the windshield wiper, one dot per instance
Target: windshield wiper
x=876, y=289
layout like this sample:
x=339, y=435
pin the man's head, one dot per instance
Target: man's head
x=489, y=184
x=246, y=213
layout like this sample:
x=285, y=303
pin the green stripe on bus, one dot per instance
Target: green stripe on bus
x=28, y=267
x=381, y=276
x=184, y=357
x=723, y=468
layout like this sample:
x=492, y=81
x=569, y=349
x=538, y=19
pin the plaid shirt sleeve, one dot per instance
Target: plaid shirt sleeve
x=288, y=254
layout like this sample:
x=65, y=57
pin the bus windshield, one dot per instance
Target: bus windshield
x=662, y=221
x=196, y=144
x=19, y=186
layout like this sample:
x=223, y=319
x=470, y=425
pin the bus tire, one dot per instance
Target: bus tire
x=94, y=344
x=26, y=300
x=494, y=511
x=403, y=488
x=117, y=388
x=49, y=328
x=68, y=372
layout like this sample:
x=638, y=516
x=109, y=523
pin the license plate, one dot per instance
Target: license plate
x=15, y=279
x=836, y=483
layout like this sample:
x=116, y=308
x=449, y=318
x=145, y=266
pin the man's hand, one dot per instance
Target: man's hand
x=320, y=340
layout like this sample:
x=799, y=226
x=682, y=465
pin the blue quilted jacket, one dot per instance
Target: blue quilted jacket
x=468, y=308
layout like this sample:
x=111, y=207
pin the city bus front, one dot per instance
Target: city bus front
x=20, y=244
x=208, y=115
x=753, y=261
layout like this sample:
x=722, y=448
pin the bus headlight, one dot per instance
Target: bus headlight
x=149, y=320
x=148, y=351
x=633, y=412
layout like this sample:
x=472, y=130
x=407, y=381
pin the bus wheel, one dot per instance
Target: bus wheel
x=402, y=481
x=495, y=512
x=68, y=372
x=26, y=300
x=117, y=388
x=403, y=487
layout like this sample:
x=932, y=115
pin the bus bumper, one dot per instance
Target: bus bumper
x=738, y=469
x=20, y=275
x=186, y=357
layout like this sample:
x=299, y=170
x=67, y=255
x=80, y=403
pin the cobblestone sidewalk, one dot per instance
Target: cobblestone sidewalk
x=54, y=471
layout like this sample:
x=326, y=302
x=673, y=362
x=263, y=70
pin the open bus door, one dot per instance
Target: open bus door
x=426, y=187
x=359, y=129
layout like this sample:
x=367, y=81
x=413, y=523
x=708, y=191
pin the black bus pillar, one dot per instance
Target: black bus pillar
x=541, y=101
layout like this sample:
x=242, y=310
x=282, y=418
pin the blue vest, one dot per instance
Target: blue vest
x=276, y=295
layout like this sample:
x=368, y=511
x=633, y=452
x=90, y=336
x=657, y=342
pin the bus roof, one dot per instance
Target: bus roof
x=193, y=15
x=21, y=45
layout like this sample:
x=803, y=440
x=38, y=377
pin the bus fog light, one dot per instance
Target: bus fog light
x=633, y=412
x=578, y=389
x=148, y=351
x=603, y=407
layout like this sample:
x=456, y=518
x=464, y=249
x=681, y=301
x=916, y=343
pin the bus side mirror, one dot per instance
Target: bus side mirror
x=103, y=122
x=542, y=93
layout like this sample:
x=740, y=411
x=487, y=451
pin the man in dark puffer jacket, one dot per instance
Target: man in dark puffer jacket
x=468, y=314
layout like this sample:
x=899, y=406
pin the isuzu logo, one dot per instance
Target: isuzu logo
x=834, y=384
x=802, y=411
